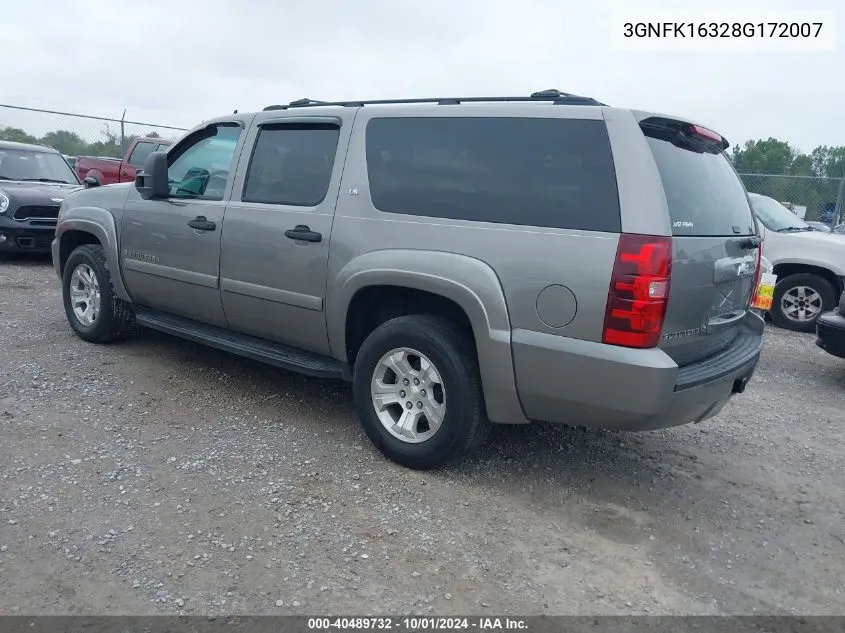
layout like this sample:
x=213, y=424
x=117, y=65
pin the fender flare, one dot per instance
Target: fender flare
x=99, y=223
x=468, y=282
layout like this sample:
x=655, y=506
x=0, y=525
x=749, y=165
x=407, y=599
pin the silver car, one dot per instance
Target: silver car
x=462, y=261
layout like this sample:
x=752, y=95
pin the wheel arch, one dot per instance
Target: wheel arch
x=455, y=282
x=89, y=225
x=785, y=269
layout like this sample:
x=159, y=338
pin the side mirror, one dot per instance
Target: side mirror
x=90, y=181
x=151, y=182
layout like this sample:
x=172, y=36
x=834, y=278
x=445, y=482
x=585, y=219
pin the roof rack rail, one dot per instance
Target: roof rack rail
x=551, y=95
x=299, y=103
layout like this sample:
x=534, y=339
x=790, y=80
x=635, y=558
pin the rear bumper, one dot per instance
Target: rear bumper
x=19, y=237
x=591, y=384
x=830, y=333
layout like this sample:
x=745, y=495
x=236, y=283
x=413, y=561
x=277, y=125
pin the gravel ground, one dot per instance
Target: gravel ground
x=158, y=476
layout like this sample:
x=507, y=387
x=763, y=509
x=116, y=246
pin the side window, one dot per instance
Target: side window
x=199, y=168
x=291, y=164
x=162, y=147
x=546, y=172
x=140, y=153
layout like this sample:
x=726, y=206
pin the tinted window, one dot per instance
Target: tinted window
x=199, y=168
x=540, y=172
x=705, y=195
x=291, y=165
x=140, y=153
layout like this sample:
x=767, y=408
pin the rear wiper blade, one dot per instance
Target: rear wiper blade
x=793, y=229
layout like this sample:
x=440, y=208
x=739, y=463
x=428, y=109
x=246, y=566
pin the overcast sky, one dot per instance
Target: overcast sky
x=182, y=61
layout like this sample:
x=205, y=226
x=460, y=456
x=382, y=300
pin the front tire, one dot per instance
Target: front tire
x=93, y=311
x=418, y=391
x=800, y=299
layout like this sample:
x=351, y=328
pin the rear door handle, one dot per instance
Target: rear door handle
x=201, y=223
x=304, y=233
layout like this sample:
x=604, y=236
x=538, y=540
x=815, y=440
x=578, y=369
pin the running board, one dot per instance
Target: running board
x=252, y=347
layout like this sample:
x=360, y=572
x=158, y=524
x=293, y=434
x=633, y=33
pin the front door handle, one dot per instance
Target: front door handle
x=201, y=223
x=304, y=233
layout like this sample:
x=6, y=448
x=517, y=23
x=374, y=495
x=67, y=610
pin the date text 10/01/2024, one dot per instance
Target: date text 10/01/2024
x=421, y=623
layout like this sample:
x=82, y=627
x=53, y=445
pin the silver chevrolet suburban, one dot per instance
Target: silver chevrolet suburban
x=462, y=261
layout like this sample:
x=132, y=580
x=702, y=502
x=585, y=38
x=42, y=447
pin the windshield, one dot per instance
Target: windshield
x=777, y=217
x=25, y=164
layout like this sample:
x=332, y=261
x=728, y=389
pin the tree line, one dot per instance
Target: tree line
x=776, y=169
x=72, y=144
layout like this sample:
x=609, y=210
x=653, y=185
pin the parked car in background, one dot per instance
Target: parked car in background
x=830, y=330
x=34, y=179
x=391, y=244
x=817, y=226
x=829, y=213
x=809, y=264
x=839, y=229
x=107, y=171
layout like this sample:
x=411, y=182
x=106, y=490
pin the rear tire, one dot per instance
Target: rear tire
x=813, y=292
x=430, y=351
x=86, y=278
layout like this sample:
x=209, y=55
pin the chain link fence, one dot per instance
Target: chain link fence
x=811, y=198
x=77, y=134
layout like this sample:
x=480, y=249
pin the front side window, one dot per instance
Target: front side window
x=35, y=166
x=546, y=172
x=291, y=164
x=200, y=169
x=140, y=153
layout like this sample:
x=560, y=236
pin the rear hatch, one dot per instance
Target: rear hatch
x=715, y=240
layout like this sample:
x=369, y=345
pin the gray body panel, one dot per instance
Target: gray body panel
x=168, y=265
x=469, y=282
x=712, y=281
x=560, y=378
x=525, y=259
x=535, y=297
x=272, y=286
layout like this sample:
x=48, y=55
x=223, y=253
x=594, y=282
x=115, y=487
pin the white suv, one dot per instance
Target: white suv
x=809, y=264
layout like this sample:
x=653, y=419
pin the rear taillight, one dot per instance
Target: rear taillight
x=757, y=274
x=639, y=291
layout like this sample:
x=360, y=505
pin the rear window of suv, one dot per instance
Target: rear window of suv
x=544, y=172
x=704, y=193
